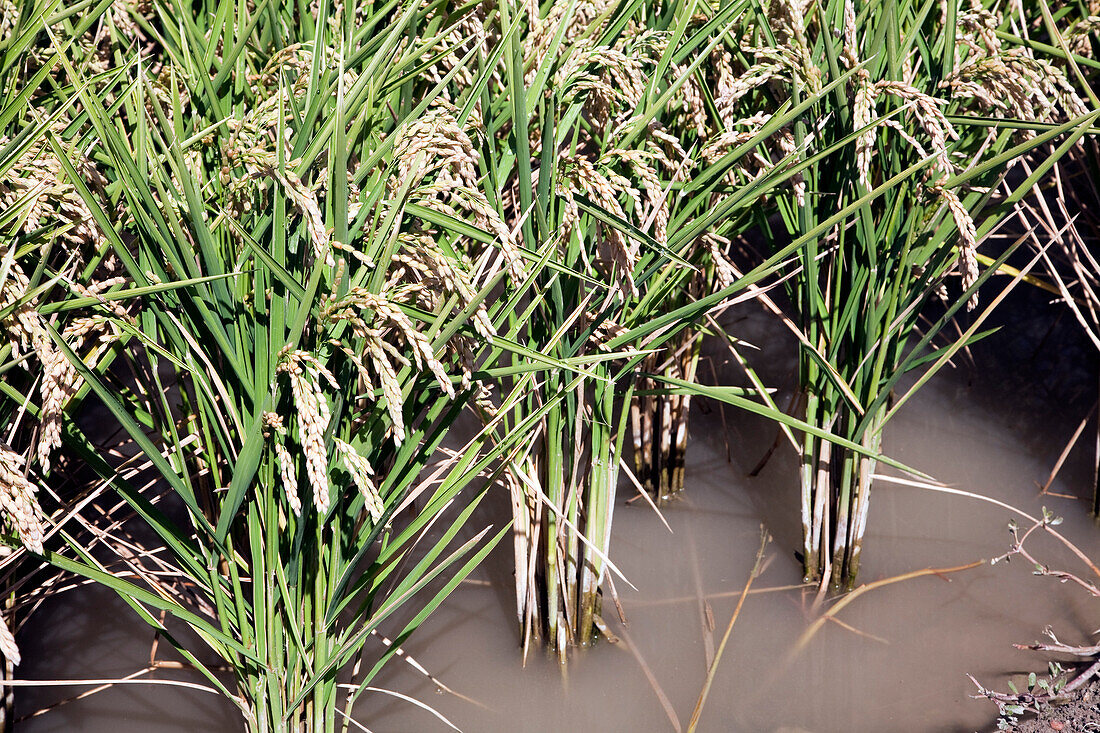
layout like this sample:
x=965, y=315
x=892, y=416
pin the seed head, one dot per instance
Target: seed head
x=8, y=647
x=305, y=373
x=289, y=478
x=17, y=499
x=360, y=470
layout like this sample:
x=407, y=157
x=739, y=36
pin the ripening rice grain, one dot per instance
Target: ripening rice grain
x=968, y=242
x=274, y=428
x=289, y=478
x=437, y=145
x=305, y=374
x=590, y=182
x=420, y=260
x=60, y=379
x=1078, y=36
x=656, y=210
x=864, y=114
x=360, y=470
x=391, y=386
x=307, y=204
x=17, y=499
x=388, y=314
x=8, y=646
x=24, y=325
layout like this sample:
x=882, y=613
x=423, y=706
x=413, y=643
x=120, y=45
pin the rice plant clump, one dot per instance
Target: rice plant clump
x=909, y=161
x=327, y=275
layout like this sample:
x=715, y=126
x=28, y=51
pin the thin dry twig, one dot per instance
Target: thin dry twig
x=813, y=628
x=1069, y=446
x=764, y=538
x=662, y=698
x=959, y=492
x=1040, y=568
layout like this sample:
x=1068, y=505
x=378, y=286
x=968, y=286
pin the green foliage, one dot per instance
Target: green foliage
x=287, y=250
x=950, y=103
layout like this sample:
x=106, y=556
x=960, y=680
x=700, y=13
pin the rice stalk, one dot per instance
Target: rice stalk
x=861, y=289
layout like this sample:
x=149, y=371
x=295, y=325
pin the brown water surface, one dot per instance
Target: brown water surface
x=900, y=666
x=897, y=664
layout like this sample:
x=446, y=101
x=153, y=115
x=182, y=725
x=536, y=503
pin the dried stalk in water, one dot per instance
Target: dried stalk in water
x=660, y=421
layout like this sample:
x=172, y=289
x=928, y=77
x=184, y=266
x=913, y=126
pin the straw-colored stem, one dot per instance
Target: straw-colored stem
x=663, y=464
x=873, y=442
x=684, y=409
x=809, y=498
x=600, y=505
x=554, y=487
x=847, y=502
x=521, y=543
x=713, y=668
x=649, y=459
x=823, y=491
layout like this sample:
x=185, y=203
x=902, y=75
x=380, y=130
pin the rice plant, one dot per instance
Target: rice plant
x=50, y=252
x=1058, y=215
x=936, y=97
x=302, y=330
x=604, y=174
x=288, y=246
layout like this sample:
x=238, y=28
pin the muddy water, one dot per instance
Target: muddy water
x=900, y=667
x=87, y=633
x=898, y=662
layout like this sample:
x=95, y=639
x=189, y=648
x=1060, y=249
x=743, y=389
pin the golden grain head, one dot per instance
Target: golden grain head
x=306, y=374
x=18, y=501
x=289, y=478
x=8, y=647
x=360, y=470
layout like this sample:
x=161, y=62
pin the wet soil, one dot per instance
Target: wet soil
x=1079, y=714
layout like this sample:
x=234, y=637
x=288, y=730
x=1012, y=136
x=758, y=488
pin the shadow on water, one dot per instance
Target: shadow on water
x=89, y=633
